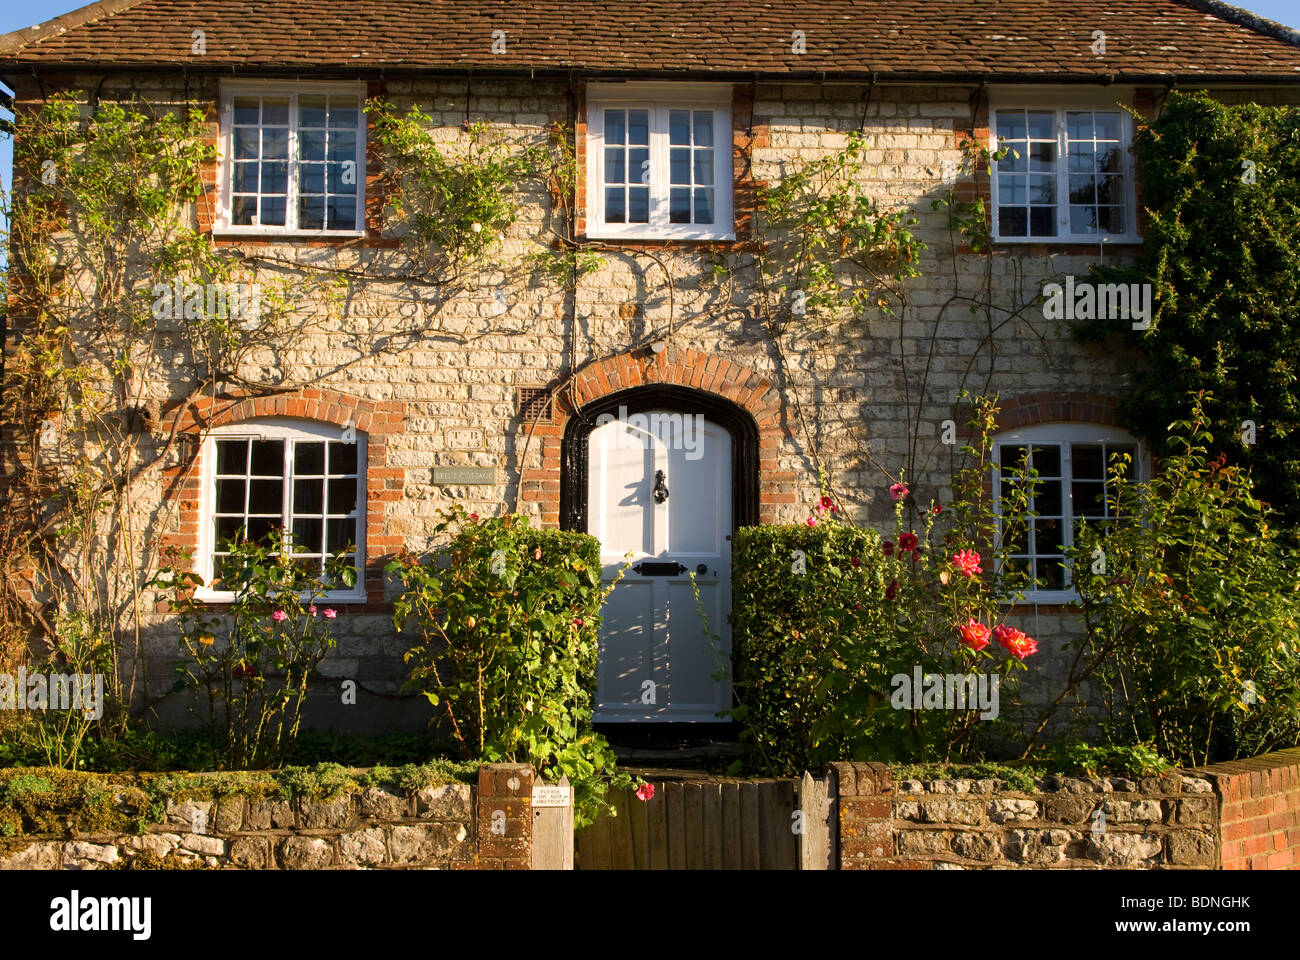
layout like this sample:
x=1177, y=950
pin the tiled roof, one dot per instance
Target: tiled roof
x=994, y=39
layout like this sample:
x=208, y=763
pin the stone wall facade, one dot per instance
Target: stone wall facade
x=436, y=384
x=438, y=827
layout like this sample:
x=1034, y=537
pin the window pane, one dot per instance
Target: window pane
x=1078, y=125
x=704, y=205
x=1042, y=126
x=309, y=496
x=1083, y=189
x=342, y=213
x=1042, y=157
x=343, y=458
x=247, y=110
x=1111, y=219
x=275, y=110
x=273, y=210
x=311, y=145
x=1013, y=222
x=232, y=457
x=311, y=178
x=1047, y=499
x=1011, y=190
x=638, y=127
x=679, y=127
x=275, y=143
x=1012, y=458
x=247, y=143
x=228, y=529
x=1086, y=461
x=1042, y=190
x=638, y=202
x=704, y=167
x=614, y=209
x=1052, y=570
x=275, y=177
x=307, y=534
x=1011, y=125
x=311, y=111
x=230, y=496
x=1081, y=159
x=344, y=112
x=1083, y=219
x=266, y=497
x=1047, y=460
x=1110, y=189
x=1107, y=125
x=260, y=528
x=340, y=534
x=615, y=126
x=342, y=145
x=243, y=211
x=1042, y=221
x=343, y=496
x=679, y=205
x=1016, y=159
x=1087, y=499
x=308, y=458
x=615, y=169
x=268, y=458
x=311, y=213
x=679, y=166
x=1110, y=161
x=1048, y=535
x=246, y=178
x=704, y=128
x=638, y=162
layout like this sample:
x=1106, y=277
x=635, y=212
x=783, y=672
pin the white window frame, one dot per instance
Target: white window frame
x=274, y=428
x=225, y=162
x=1061, y=102
x=1064, y=435
x=659, y=98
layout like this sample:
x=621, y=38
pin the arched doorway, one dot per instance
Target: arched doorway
x=666, y=473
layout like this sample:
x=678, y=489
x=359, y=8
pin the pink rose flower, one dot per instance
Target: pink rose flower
x=645, y=792
x=968, y=562
x=279, y=616
x=330, y=613
x=898, y=491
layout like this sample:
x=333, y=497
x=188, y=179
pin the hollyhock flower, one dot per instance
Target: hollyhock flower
x=938, y=509
x=825, y=504
x=974, y=634
x=887, y=548
x=916, y=554
x=244, y=670
x=279, y=616
x=855, y=562
x=898, y=491
x=577, y=621
x=1017, y=643
x=645, y=792
x=968, y=562
x=474, y=517
x=812, y=521
x=907, y=542
x=330, y=613
x=892, y=590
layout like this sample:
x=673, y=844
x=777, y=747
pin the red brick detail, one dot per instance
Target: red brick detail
x=677, y=366
x=864, y=799
x=1259, y=811
x=1051, y=406
x=377, y=419
x=505, y=816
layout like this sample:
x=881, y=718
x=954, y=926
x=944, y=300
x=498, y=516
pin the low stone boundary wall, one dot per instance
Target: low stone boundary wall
x=1169, y=822
x=455, y=826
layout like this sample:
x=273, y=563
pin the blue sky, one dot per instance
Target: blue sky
x=16, y=16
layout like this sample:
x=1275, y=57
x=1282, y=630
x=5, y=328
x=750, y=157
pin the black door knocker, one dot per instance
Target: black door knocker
x=661, y=488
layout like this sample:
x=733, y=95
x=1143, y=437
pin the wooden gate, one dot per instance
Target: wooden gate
x=712, y=823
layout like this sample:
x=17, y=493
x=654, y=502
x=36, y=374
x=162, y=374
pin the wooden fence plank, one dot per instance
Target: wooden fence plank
x=732, y=826
x=675, y=804
x=776, y=804
x=693, y=798
x=815, y=840
x=749, y=839
x=711, y=819
x=621, y=831
x=553, y=833
x=657, y=817
x=596, y=838
x=636, y=823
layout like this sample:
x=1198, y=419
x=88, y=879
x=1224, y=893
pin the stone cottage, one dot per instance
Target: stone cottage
x=403, y=394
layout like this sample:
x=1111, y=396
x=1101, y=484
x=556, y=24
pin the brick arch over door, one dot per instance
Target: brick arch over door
x=708, y=376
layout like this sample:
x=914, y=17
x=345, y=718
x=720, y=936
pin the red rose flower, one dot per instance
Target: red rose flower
x=974, y=634
x=645, y=792
x=968, y=562
x=1017, y=643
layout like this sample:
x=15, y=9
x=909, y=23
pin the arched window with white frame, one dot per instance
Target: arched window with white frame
x=304, y=477
x=1075, y=485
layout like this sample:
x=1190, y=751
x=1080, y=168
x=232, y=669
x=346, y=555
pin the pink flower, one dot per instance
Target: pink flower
x=645, y=792
x=279, y=616
x=1017, y=643
x=907, y=542
x=812, y=521
x=898, y=491
x=312, y=609
x=887, y=548
x=968, y=562
x=330, y=613
x=974, y=634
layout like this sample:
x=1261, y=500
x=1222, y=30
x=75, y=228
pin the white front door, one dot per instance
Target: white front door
x=657, y=663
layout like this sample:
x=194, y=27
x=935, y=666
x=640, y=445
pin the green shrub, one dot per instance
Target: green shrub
x=509, y=618
x=1192, y=621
